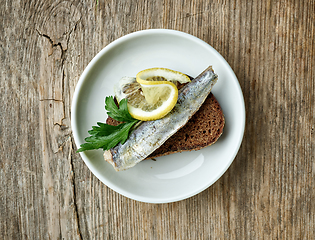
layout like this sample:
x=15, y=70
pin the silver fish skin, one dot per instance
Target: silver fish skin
x=150, y=135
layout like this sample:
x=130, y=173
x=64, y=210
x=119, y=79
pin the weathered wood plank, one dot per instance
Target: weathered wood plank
x=48, y=192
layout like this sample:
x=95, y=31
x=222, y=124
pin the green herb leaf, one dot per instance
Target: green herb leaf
x=106, y=136
x=120, y=114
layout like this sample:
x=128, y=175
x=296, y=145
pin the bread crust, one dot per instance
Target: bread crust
x=202, y=130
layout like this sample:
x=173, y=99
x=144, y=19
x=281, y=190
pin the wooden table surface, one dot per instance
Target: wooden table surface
x=47, y=192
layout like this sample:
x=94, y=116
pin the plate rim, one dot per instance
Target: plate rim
x=76, y=98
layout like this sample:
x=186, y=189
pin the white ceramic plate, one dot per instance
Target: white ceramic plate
x=177, y=176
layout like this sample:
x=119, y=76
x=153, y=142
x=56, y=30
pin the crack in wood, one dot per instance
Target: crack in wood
x=60, y=229
x=74, y=187
x=60, y=147
x=62, y=126
x=73, y=29
x=51, y=99
x=188, y=15
x=63, y=50
x=54, y=44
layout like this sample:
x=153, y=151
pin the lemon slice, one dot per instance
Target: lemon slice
x=148, y=76
x=157, y=76
x=152, y=94
x=163, y=98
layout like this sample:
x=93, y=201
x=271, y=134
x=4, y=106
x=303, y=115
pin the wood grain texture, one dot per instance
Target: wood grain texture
x=47, y=192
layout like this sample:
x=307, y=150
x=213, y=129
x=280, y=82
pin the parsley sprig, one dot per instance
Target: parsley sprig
x=106, y=136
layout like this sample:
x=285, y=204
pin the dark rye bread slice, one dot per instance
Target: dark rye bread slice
x=202, y=130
